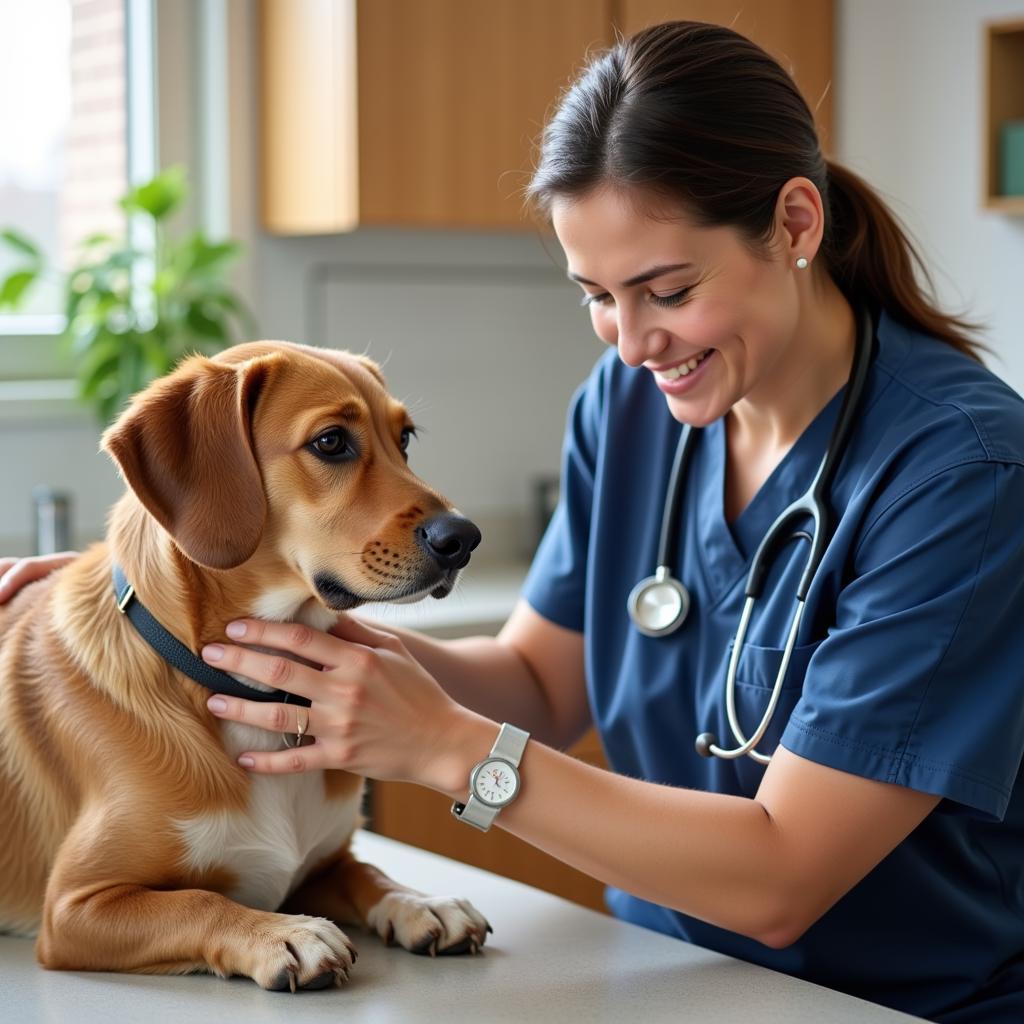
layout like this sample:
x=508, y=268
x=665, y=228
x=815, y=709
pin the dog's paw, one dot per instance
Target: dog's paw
x=296, y=952
x=429, y=924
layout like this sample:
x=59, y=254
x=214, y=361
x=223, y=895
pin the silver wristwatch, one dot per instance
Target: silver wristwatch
x=494, y=782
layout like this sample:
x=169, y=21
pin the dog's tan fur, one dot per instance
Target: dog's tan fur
x=114, y=777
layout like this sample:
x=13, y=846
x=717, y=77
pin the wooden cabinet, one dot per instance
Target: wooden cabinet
x=425, y=113
x=797, y=33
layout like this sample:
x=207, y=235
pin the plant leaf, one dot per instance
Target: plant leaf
x=154, y=350
x=18, y=241
x=97, y=238
x=233, y=304
x=14, y=287
x=98, y=366
x=198, y=255
x=204, y=324
x=159, y=196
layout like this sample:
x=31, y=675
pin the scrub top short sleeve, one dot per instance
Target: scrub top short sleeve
x=556, y=584
x=910, y=687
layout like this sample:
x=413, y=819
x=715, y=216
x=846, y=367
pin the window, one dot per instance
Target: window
x=78, y=122
x=63, y=159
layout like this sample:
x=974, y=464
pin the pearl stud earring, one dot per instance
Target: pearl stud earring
x=801, y=262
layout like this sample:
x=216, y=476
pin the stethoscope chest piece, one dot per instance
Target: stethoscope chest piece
x=659, y=604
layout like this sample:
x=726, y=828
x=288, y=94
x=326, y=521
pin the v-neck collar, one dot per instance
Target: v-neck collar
x=726, y=549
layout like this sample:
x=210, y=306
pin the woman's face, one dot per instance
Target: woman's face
x=710, y=321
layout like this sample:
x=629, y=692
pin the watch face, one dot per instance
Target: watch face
x=495, y=782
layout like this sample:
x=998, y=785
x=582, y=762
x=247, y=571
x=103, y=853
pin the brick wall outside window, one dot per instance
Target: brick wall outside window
x=62, y=130
x=96, y=146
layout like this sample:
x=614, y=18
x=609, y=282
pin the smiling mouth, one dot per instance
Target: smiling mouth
x=684, y=369
x=339, y=598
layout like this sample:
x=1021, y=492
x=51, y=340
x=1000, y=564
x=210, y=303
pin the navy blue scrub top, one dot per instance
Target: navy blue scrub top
x=909, y=667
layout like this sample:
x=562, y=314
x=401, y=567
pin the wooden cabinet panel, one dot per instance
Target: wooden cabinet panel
x=308, y=139
x=797, y=33
x=423, y=818
x=453, y=95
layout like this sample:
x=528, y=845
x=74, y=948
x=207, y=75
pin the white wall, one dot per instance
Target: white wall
x=61, y=450
x=909, y=96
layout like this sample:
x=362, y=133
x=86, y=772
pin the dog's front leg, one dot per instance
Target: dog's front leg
x=146, y=931
x=349, y=890
x=95, y=919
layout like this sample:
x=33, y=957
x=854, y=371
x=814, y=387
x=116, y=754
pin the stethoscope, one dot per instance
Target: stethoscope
x=658, y=605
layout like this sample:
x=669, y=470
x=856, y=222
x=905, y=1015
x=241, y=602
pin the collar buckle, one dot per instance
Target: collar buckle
x=126, y=596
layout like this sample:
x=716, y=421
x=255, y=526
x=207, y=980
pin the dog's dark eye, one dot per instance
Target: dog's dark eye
x=333, y=445
x=408, y=433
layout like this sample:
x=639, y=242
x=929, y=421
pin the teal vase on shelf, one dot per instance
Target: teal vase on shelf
x=1011, y=158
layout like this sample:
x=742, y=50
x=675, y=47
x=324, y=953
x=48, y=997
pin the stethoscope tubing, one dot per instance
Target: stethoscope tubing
x=663, y=595
x=705, y=744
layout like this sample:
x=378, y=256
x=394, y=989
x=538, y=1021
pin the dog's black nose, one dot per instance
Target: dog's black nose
x=448, y=539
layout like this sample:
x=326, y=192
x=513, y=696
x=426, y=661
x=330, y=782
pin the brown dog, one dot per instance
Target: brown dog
x=270, y=481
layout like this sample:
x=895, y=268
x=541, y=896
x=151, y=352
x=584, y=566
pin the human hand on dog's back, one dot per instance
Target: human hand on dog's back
x=16, y=573
x=376, y=711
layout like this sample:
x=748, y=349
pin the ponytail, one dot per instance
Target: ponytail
x=872, y=259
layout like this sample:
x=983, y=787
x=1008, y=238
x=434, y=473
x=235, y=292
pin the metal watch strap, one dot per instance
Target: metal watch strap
x=509, y=746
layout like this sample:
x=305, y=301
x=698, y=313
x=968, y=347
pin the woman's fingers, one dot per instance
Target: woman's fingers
x=289, y=719
x=288, y=762
x=272, y=669
x=285, y=718
x=15, y=573
x=293, y=637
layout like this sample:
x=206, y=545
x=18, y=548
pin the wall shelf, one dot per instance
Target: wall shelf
x=1004, y=101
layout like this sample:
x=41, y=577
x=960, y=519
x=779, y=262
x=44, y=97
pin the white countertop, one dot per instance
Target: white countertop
x=548, y=960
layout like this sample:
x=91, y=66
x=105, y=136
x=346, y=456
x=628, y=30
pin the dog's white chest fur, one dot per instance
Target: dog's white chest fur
x=288, y=827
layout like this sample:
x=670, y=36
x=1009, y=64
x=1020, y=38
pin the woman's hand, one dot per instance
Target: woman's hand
x=17, y=572
x=375, y=710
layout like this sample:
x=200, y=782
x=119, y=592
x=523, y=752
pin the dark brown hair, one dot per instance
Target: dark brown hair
x=701, y=116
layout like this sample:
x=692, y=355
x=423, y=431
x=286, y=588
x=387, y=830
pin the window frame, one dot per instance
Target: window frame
x=34, y=380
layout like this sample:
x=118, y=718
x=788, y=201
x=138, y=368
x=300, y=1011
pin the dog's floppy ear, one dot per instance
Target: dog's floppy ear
x=184, y=446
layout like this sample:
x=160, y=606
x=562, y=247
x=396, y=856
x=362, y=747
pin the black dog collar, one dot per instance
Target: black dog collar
x=175, y=653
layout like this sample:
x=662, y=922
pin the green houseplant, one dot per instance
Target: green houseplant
x=133, y=312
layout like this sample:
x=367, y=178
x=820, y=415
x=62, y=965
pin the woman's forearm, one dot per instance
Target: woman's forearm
x=485, y=676
x=712, y=856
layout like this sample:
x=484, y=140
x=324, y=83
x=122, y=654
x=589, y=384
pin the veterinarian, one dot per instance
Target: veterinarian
x=816, y=769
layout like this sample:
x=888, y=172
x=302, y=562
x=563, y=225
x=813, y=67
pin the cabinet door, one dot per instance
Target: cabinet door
x=452, y=97
x=797, y=33
x=308, y=139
